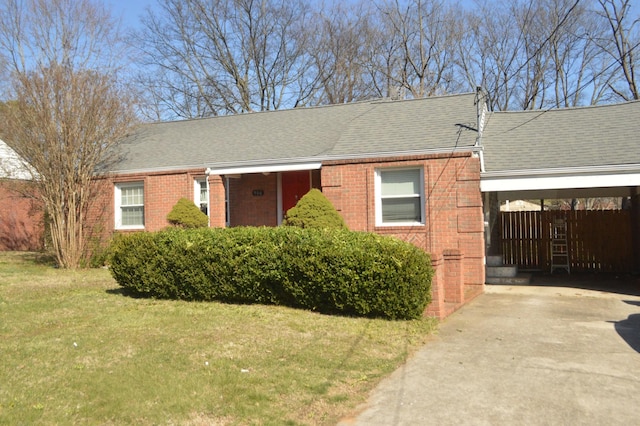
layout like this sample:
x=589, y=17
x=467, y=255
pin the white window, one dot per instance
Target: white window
x=399, y=197
x=201, y=195
x=129, y=201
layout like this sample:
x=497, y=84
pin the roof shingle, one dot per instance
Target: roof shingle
x=603, y=135
x=372, y=128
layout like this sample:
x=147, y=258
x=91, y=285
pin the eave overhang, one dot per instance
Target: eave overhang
x=627, y=175
x=292, y=164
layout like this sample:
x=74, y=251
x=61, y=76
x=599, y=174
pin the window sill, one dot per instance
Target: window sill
x=400, y=225
x=129, y=228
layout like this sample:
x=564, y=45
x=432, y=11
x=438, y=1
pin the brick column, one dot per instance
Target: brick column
x=436, y=308
x=453, y=276
x=216, y=202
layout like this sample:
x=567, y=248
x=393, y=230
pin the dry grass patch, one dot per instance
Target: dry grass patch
x=75, y=350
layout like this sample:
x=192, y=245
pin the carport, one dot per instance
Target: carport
x=587, y=152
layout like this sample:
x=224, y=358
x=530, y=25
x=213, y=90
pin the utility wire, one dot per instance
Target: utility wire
x=577, y=90
x=543, y=111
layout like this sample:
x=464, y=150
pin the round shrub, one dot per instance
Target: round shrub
x=314, y=210
x=186, y=214
x=329, y=271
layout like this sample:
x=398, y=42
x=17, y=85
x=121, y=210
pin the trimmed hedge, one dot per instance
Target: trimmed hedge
x=329, y=271
x=186, y=214
x=314, y=210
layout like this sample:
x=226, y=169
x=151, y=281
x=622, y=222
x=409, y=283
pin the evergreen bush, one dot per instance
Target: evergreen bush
x=314, y=210
x=329, y=271
x=186, y=214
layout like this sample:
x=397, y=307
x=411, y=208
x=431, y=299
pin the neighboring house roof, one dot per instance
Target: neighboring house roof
x=362, y=129
x=11, y=165
x=595, y=146
x=519, y=206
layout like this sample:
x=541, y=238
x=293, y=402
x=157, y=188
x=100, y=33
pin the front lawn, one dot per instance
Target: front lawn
x=75, y=350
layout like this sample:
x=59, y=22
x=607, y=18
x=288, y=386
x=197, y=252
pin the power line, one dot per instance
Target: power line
x=543, y=111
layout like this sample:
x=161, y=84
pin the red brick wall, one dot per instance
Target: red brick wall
x=161, y=192
x=247, y=209
x=453, y=231
x=21, y=217
x=453, y=222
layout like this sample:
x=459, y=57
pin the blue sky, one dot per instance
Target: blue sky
x=129, y=10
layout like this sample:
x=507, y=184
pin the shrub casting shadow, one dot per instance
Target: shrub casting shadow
x=125, y=292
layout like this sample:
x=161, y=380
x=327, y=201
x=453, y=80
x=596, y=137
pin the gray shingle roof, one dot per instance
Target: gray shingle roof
x=372, y=128
x=604, y=135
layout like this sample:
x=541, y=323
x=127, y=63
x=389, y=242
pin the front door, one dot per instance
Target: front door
x=294, y=186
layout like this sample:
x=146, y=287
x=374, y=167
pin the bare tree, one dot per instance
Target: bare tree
x=489, y=55
x=580, y=71
x=342, y=36
x=535, y=54
x=382, y=57
x=423, y=34
x=535, y=30
x=68, y=108
x=225, y=56
x=623, y=46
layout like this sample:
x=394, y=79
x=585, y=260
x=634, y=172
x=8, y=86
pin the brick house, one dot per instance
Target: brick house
x=21, y=214
x=407, y=168
x=430, y=171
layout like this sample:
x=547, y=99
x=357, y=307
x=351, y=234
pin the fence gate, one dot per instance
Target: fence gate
x=598, y=240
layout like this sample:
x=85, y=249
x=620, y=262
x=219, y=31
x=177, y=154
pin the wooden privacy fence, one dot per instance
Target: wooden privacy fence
x=598, y=240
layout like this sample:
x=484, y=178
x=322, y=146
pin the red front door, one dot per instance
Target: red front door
x=294, y=186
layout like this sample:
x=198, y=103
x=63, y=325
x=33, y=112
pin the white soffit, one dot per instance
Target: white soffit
x=567, y=180
x=270, y=168
x=556, y=194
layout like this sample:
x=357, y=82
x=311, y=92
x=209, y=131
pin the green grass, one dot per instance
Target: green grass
x=75, y=350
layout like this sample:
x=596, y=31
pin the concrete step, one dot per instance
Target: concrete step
x=494, y=260
x=501, y=271
x=520, y=279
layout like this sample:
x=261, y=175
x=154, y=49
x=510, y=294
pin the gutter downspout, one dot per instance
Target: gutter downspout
x=481, y=111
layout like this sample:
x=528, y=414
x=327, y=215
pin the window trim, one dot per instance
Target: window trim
x=197, y=187
x=118, y=204
x=378, y=197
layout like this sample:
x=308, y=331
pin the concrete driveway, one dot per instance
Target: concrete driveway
x=534, y=355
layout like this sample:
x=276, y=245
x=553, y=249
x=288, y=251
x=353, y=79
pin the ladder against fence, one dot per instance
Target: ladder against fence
x=559, y=256
x=597, y=240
